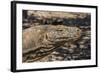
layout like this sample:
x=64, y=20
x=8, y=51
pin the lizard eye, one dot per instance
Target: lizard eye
x=60, y=30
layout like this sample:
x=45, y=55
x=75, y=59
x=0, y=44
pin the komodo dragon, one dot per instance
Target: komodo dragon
x=39, y=41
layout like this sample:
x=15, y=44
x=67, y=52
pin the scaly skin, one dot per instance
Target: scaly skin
x=39, y=41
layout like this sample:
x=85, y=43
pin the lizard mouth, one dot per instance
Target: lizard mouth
x=59, y=39
x=62, y=38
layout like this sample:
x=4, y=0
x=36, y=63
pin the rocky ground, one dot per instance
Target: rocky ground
x=80, y=49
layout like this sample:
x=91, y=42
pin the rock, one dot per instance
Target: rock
x=82, y=46
x=26, y=25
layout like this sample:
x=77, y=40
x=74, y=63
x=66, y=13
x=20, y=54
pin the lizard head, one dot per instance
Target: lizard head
x=61, y=33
